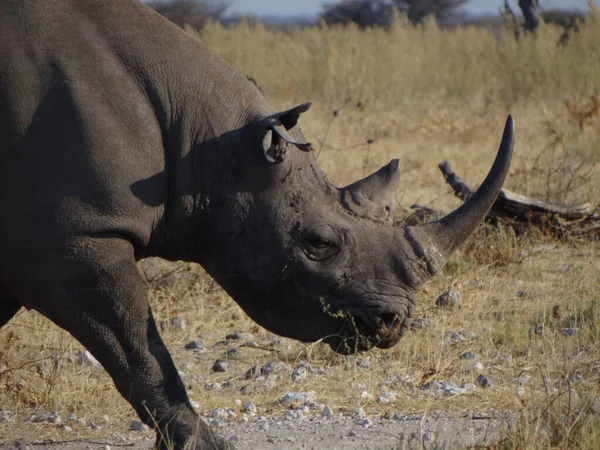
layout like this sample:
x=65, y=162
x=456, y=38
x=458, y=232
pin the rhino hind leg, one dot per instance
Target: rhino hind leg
x=9, y=306
x=103, y=304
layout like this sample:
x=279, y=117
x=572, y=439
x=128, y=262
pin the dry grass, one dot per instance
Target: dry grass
x=426, y=95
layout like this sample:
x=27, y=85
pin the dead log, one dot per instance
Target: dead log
x=517, y=210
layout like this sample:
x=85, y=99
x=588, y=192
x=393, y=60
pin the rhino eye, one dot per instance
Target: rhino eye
x=320, y=244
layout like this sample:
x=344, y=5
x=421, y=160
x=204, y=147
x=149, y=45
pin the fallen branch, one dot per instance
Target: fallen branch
x=517, y=210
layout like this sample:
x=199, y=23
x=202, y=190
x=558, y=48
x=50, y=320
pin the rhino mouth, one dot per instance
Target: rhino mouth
x=360, y=333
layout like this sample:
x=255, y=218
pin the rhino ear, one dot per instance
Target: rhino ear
x=374, y=197
x=276, y=135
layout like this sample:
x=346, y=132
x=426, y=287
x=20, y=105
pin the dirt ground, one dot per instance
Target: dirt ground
x=434, y=431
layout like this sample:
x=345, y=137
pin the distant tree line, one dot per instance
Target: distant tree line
x=369, y=13
x=194, y=13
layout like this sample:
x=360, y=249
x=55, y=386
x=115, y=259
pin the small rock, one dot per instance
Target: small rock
x=315, y=405
x=364, y=395
x=451, y=389
x=297, y=397
x=249, y=407
x=251, y=344
x=453, y=338
x=317, y=371
x=219, y=413
x=433, y=386
x=220, y=365
x=362, y=363
x=299, y=373
x=213, y=387
x=232, y=351
x=197, y=345
x=235, y=336
x=539, y=330
x=233, y=438
x=568, y=331
x=359, y=413
x=483, y=381
x=66, y=428
x=522, y=293
x=6, y=415
x=352, y=433
x=106, y=447
x=83, y=357
x=366, y=423
x=420, y=323
x=475, y=366
x=327, y=413
x=429, y=440
x=49, y=417
x=137, y=425
x=252, y=372
x=468, y=335
x=276, y=366
x=293, y=415
x=468, y=355
x=386, y=397
x=228, y=384
x=270, y=381
x=449, y=299
x=177, y=323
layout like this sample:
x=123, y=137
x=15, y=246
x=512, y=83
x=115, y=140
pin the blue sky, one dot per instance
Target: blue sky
x=295, y=7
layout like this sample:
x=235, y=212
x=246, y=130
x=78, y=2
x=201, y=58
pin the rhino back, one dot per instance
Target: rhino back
x=94, y=97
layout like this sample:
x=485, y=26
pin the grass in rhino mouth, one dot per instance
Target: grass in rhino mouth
x=355, y=334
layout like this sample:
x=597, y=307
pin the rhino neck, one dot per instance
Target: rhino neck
x=199, y=101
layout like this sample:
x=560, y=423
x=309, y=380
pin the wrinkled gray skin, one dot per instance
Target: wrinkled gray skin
x=121, y=137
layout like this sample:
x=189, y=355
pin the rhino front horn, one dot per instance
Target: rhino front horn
x=434, y=242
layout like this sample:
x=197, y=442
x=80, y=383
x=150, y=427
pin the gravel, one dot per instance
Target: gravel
x=321, y=430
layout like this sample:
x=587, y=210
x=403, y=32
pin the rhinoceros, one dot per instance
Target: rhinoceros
x=122, y=137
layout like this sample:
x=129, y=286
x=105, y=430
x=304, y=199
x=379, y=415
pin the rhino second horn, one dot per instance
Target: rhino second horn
x=434, y=242
x=374, y=197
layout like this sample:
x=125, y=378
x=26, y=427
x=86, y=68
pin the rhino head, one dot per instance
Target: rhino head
x=310, y=261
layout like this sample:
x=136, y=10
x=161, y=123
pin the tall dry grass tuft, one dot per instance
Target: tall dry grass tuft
x=412, y=67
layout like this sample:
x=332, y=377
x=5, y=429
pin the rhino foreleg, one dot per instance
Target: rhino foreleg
x=97, y=294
